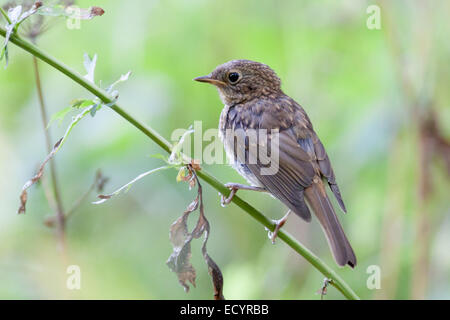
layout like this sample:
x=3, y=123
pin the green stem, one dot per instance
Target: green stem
x=5, y=15
x=337, y=281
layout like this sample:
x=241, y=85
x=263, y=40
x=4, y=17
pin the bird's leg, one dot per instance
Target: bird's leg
x=278, y=225
x=234, y=187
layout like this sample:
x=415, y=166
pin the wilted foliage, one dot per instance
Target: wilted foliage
x=36, y=178
x=179, y=261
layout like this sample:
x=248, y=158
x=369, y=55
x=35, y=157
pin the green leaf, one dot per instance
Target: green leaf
x=159, y=156
x=81, y=103
x=60, y=115
x=75, y=104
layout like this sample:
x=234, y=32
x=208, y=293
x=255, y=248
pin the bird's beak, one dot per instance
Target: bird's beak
x=208, y=79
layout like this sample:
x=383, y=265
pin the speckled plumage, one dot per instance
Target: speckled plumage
x=256, y=101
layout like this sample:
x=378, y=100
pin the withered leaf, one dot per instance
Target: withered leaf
x=213, y=268
x=36, y=178
x=56, y=147
x=103, y=196
x=215, y=273
x=192, y=206
x=195, y=164
x=23, y=201
x=96, y=11
x=179, y=261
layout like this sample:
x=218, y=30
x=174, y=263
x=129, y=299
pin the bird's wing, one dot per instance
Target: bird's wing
x=326, y=170
x=285, y=176
x=301, y=156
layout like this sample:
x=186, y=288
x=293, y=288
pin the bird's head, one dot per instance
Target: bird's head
x=243, y=80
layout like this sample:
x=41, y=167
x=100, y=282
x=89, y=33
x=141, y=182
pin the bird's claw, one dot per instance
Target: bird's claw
x=226, y=200
x=278, y=225
x=323, y=291
x=234, y=187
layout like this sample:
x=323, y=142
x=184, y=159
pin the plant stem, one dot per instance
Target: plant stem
x=5, y=15
x=60, y=226
x=336, y=280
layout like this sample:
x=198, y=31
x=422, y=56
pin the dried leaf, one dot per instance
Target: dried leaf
x=36, y=178
x=179, y=260
x=192, y=206
x=213, y=269
x=216, y=275
x=191, y=184
x=96, y=12
x=58, y=145
x=195, y=164
x=23, y=201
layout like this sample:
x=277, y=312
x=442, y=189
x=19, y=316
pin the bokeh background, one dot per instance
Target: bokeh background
x=379, y=100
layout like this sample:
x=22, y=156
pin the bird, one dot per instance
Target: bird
x=254, y=102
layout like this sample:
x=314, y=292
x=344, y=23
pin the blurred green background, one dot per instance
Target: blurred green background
x=371, y=95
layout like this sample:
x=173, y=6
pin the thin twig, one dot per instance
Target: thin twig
x=81, y=199
x=337, y=282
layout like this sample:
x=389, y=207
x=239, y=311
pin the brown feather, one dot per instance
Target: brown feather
x=320, y=203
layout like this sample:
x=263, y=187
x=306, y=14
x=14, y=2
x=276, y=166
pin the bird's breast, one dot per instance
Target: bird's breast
x=226, y=126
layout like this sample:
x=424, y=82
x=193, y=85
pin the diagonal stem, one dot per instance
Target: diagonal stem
x=336, y=280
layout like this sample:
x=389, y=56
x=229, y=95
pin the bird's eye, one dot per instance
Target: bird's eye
x=233, y=77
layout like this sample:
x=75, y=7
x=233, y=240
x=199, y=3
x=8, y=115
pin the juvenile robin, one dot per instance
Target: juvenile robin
x=253, y=99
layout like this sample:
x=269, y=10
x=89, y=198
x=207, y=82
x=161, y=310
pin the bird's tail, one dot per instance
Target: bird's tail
x=322, y=207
